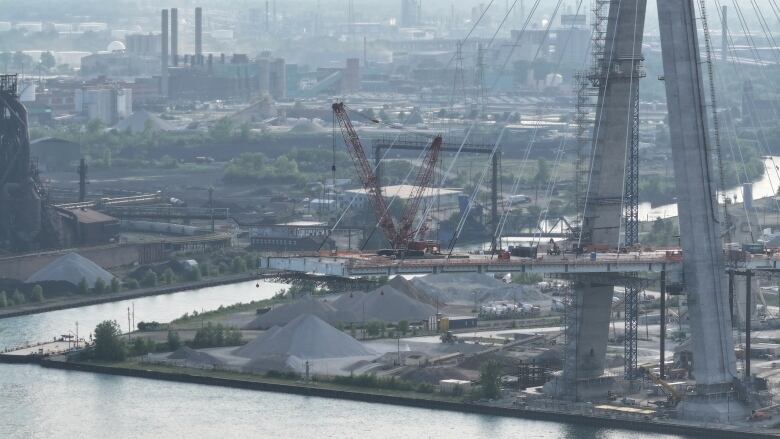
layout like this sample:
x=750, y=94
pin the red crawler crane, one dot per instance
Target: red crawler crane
x=401, y=236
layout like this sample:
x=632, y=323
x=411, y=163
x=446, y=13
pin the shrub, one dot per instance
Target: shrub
x=83, y=287
x=239, y=264
x=141, y=346
x=131, y=284
x=115, y=285
x=174, y=342
x=211, y=336
x=149, y=279
x=100, y=286
x=36, y=295
x=168, y=276
x=18, y=297
x=193, y=275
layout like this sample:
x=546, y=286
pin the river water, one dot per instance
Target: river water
x=44, y=403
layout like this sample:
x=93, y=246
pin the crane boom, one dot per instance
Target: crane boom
x=402, y=235
x=407, y=232
x=366, y=173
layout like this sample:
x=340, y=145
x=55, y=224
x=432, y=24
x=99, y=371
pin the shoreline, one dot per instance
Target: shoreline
x=422, y=402
x=79, y=301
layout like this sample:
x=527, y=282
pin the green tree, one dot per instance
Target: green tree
x=239, y=264
x=141, y=346
x=83, y=287
x=149, y=279
x=109, y=345
x=542, y=175
x=100, y=286
x=222, y=130
x=490, y=378
x=18, y=297
x=47, y=60
x=3, y=299
x=403, y=327
x=174, y=342
x=116, y=286
x=131, y=284
x=168, y=276
x=37, y=293
x=374, y=328
x=203, y=267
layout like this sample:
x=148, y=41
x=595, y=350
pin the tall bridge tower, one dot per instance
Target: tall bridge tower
x=617, y=77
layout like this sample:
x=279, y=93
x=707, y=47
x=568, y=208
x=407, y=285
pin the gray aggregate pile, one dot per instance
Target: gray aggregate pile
x=460, y=288
x=71, y=268
x=192, y=356
x=387, y=304
x=306, y=337
x=284, y=314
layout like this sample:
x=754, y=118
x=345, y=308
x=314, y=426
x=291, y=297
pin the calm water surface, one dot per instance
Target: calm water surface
x=42, y=403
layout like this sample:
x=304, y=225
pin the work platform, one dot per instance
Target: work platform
x=365, y=265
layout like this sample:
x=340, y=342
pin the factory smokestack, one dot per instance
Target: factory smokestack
x=175, y=36
x=199, y=36
x=164, y=51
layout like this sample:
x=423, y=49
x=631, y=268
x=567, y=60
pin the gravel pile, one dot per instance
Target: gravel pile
x=388, y=305
x=192, y=356
x=308, y=338
x=347, y=300
x=405, y=286
x=284, y=314
x=460, y=289
x=71, y=268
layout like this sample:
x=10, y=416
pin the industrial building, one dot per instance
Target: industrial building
x=443, y=197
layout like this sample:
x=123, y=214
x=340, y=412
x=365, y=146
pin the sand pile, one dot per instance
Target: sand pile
x=71, y=268
x=388, y=305
x=192, y=356
x=308, y=338
x=460, y=289
x=284, y=314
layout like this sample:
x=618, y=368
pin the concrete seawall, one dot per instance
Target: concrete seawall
x=604, y=422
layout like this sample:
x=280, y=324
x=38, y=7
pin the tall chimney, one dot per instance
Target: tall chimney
x=164, y=45
x=724, y=42
x=199, y=35
x=175, y=36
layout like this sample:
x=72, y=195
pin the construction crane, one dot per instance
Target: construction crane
x=672, y=395
x=402, y=236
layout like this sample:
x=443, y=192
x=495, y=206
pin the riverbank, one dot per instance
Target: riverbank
x=66, y=302
x=408, y=399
